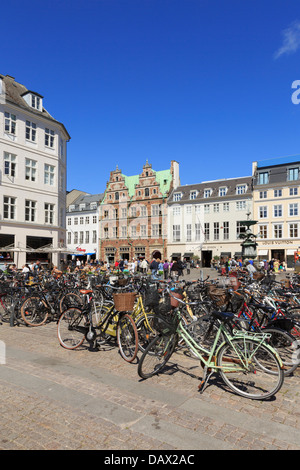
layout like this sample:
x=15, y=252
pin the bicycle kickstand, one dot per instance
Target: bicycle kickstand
x=207, y=373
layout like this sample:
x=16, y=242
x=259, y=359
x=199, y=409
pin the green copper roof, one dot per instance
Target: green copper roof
x=163, y=177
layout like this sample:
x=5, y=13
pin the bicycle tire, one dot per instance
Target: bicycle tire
x=69, y=326
x=156, y=355
x=68, y=300
x=6, y=304
x=145, y=334
x=264, y=375
x=34, y=311
x=127, y=338
x=286, y=346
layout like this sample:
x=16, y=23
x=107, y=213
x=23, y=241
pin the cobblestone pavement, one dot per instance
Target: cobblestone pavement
x=52, y=398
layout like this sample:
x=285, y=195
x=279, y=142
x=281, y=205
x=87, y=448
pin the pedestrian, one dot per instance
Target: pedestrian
x=166, y=269
x=154, y=266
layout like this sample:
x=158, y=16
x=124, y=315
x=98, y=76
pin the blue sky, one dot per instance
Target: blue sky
x=205, y=82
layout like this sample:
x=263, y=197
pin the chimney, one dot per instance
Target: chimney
x=175, y=174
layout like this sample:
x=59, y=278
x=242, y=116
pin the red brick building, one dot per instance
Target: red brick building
x=133, y=220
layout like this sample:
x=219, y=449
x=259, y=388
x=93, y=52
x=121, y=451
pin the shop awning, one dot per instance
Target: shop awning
x=186, y=255
x=176, y=255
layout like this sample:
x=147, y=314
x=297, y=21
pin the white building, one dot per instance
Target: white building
x=33, y=156
x=83, y=225
x=204, y=220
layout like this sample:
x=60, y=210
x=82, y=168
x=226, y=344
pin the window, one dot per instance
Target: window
x=277, y=210
x=241, y=205
x=30, y=131
x=106, y=232
x=30, y=169
x=206, y=208
x=94, y=239
x=94, y=219
x=176, y=210
x=226, y=230
x=35, y=101
x=197, y=232
x=75, y=220
x=216, y=207
x=49, y=138
x=147, y=192
x=226, y=207
x=133, y=211
x=293, y=230
x=143, y=211
x=293, y=209
x=188, y=209
x=277, y=230
x=117, y=196
x=30, y=211
x=222, y=191
x=155, y=209
x=9, y=207
x=240, y=229
x=156, y=230
x=75, y=238
x=69, y=221
x=241, y=189
x=49, y=175
x=277, y=192
x=80, y=237
x=143, y=230
x=81, y=220
x=176, y=233
x=263, y=231
x=10, y=164
x=10, y=122
x=87, y=220
x=49, y=213
x=193, y=194
x=69, y=238
x=87, y=237
x=189, y=232
x=207, y=193
x=133, y=231
x=293, y=174
x=293, y=191
x=263, y=178
x=262, y=194
x=216, y=231
x=206, y=231
x=263, y=212
x=177, y=196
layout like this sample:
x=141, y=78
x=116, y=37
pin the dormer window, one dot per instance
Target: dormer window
x=193, y=194
x=34, y=100
x=207, y=193
x=82, y=206
x=241, y=189
x=222, y=191
x=177, y=196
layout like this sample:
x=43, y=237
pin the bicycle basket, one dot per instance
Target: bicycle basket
x=151, y=297
x=219, y=296
x=166, y=324
x=163, y=307
x=124, y=302
x=178, y=294
x=258, y=276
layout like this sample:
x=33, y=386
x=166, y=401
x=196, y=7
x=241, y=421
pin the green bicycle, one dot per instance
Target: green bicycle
x=246, y=363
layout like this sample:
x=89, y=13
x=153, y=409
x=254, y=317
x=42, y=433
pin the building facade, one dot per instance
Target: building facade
x=205, y=219
x=133, y=221
x=33, y=150
x=276, y=203
x=83, y=226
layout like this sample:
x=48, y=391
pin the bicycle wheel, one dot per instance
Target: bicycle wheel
x=127, y=338
x=286, y=346
x=34, y=311
x=156, y=355
x=6, y=304
x=250, y=369
x=71, y=328
x=146, y=330
x=70, y=299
